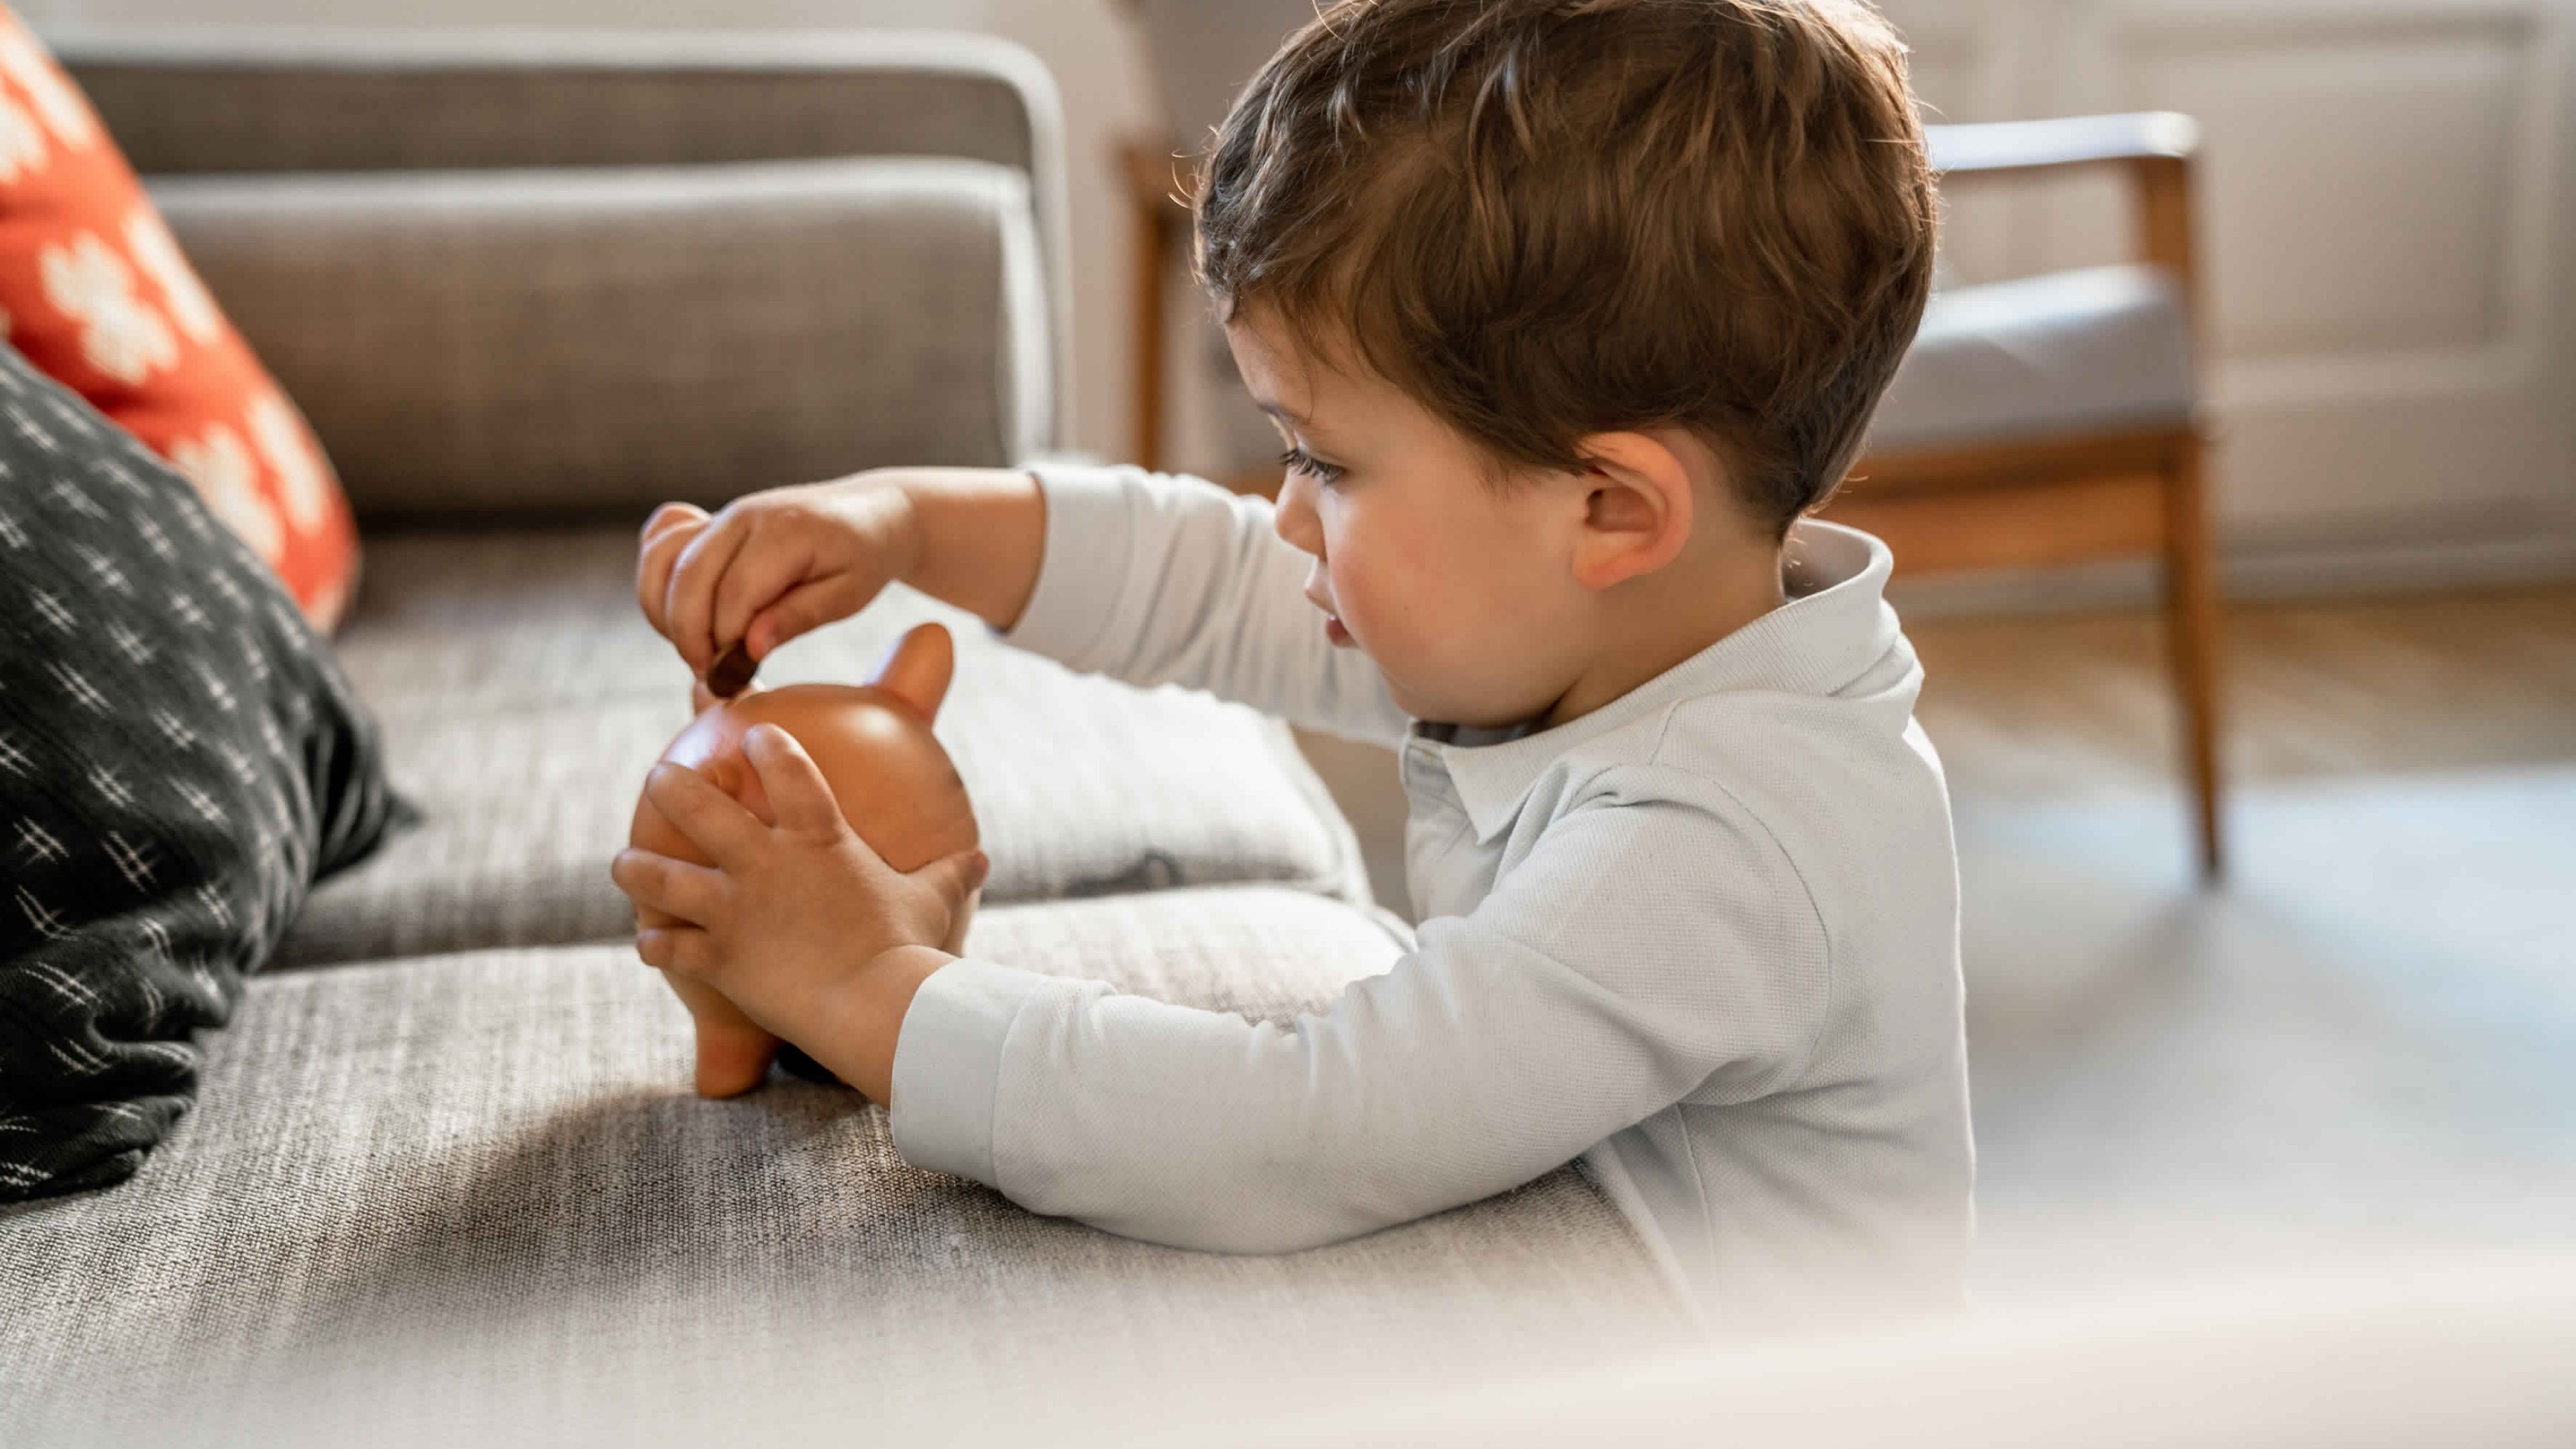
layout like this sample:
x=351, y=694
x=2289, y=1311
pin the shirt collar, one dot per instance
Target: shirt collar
x=1836, y=625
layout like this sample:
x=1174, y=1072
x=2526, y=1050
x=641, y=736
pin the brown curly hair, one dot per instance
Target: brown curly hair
x=1545, y=219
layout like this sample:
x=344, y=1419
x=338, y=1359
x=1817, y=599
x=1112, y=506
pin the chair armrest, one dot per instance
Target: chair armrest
x=2155, y=147
x=2006, y=147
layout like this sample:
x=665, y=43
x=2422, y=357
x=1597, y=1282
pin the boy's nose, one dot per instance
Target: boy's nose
x=1295, y=518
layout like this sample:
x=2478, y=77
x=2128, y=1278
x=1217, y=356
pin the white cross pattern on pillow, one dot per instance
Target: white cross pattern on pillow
x=175, y=757
x=39, y=843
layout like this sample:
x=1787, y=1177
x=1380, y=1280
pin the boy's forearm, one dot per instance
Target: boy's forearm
x=1169, y=579
x=978, y=537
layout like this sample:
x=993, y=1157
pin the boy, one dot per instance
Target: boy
x=1567, y=312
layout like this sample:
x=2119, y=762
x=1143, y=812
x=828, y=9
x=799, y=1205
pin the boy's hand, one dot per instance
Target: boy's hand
x=799, y=924
x=770, y=565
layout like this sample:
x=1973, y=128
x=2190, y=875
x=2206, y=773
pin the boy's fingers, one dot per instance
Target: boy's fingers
x=674, y=887
x=799, y=797
x=758, y=578
x=673, y=513
x=683, y=950
x=713, y=821
x=668, y=519
x=808, y=606
x=654, y=560
x=690, y=601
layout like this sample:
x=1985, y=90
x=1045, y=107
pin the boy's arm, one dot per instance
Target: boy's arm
x=1643, y=952
x=1149, y=578
x=1160, y=579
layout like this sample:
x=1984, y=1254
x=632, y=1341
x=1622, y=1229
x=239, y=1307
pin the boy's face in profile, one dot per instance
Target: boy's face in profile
x=1456, y=582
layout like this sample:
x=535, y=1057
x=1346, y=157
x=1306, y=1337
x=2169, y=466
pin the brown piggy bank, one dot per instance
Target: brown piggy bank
x=895, y=785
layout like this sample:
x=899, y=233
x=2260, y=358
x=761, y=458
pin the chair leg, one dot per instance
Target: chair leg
x=2192, y=617
x=1150, y=175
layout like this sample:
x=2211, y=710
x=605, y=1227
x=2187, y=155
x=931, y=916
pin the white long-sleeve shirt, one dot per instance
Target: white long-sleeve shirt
x=1704, y=939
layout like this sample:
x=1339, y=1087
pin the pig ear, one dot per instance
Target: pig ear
x=917, y=669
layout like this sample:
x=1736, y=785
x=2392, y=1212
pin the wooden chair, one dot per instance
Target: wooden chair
x=2054, y=420
x=2036, y=423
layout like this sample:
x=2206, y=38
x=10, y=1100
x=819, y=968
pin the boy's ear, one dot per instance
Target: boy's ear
x=1637, y=508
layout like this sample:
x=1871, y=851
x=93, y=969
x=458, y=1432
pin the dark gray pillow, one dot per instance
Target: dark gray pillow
x=180, y=759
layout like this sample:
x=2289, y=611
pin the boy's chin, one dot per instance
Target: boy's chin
x=1461, y=708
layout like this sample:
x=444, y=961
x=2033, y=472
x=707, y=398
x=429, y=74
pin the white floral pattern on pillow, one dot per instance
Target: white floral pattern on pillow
x=22, y=146
x=121, y=334
x=66, y=113
x=107, y=303
x=157, y=253
x=280, y=435
x=220, y=466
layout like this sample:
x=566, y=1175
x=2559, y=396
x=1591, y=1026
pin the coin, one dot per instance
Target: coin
x=732, y=673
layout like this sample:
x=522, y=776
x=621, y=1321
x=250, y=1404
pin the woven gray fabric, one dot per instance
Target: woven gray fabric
x=474, y=1192
x=246, y=98
x=420, y=102
x=523, y=698
x=478, y=342
x=452, y=623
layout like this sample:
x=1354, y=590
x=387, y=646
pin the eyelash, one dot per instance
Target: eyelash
x=1298, y=460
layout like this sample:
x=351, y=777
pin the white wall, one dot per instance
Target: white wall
x=1107, y=94
x=2388, y=224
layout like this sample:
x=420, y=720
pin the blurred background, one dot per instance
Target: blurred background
x=2362, y=1031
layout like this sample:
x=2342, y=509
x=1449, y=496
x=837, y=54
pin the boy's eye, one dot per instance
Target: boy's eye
x=1298, y=460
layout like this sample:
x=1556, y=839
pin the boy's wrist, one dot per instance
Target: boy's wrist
x=903, y=541
x=973, y=537
x=861, y=1022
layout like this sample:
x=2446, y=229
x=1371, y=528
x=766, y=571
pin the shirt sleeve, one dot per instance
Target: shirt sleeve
x=1647, y=949
x=1158, y=579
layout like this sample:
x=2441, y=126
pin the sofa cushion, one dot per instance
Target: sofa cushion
x=241, y=97
x=479, y=1186
x=491, y=341
x=179, y=759
x=524, y=697
x=2100, y=347
x=236, y=99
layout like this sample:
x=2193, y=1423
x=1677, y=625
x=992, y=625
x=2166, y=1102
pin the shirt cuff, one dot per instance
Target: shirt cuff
x=948, y=1065
x=1090, y=538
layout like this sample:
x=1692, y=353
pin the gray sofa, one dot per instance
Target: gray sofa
x=446, y=1174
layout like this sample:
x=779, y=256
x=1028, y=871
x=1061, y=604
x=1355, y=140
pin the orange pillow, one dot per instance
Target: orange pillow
x=94, y=293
